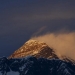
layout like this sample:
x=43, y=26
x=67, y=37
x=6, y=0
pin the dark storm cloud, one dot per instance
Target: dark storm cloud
x=19, y=20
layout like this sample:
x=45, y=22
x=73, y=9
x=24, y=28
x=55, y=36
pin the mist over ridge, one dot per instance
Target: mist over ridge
x=62, y=43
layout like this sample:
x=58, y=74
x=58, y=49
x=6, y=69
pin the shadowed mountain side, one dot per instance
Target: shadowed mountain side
x=32, y=66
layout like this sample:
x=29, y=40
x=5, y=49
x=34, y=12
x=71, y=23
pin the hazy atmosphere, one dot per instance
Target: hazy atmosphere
x=51, y=21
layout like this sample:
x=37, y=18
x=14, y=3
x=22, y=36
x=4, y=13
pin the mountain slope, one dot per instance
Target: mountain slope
x=32, y=66
x=34, y=48
x=38, y=49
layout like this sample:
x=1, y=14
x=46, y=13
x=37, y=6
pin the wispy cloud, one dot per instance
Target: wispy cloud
x=51, y=15
x=39, y=31
x=62, y=43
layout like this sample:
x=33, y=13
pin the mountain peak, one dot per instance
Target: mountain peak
x=35, y=42
x=34, y=48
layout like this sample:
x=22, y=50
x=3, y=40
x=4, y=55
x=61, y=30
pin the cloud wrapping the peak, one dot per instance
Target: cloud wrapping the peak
x=62, y=43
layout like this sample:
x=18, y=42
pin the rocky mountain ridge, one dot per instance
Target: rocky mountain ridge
x=35, y=66
x=34, y=48
x=38, y=49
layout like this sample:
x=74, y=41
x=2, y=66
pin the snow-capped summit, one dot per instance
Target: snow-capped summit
x=34, y=48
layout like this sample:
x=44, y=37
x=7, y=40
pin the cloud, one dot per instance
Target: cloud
x=47, y=11
x=39, y=31
x=62, y=43
x=50, y=15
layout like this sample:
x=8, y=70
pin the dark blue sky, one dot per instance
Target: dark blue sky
x=22, y=19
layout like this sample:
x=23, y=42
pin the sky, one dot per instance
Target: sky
x=20, y=20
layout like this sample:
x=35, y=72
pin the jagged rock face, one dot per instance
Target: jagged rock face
x=35, y=66
x=34, y=48
x=68, y=59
